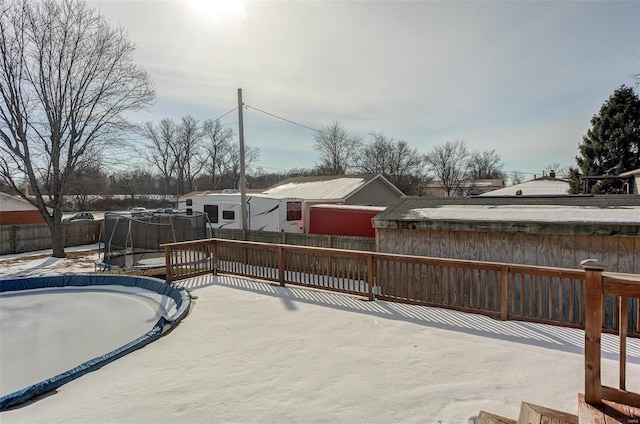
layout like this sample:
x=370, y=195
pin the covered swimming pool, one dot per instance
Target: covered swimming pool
x=57, y=328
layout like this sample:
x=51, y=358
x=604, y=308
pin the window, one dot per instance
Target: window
x=231, y=215
x=294, y=211
x=212, y=213
x=189, y=202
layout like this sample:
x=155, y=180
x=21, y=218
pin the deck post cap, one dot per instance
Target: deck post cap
x=593, y=265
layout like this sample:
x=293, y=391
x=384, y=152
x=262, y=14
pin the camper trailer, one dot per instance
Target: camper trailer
x=264, y=213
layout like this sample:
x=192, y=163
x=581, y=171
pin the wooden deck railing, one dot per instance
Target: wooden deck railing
x=623, y=290
x=189, y=259
x=588, y=298
x=505, y=291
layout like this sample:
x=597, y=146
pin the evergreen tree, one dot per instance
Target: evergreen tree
x=612, y=144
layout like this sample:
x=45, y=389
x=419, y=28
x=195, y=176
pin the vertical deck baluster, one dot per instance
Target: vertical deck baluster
x=521, y=300
x=472, y=288
x=622, y=334
x=532, y=296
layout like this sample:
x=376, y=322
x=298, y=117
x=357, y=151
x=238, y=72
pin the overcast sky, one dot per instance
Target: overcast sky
x=523, y=78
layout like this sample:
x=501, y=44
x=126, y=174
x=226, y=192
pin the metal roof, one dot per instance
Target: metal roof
x=567, y=214
x=531, y=213
x=335, y=188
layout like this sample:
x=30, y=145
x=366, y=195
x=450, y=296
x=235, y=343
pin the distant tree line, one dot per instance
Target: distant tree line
x=450, y=163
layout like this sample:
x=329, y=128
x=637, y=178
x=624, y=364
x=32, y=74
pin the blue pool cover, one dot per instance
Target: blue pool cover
x=180, y=296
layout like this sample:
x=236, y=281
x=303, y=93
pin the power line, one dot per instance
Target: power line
x=232, y=110
x=354, y=140
x=284, y=119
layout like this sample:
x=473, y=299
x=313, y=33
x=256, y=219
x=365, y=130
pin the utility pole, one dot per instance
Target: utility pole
x=243, y=185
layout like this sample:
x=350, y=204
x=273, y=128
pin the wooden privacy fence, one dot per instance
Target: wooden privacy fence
x=30, y=237
x=314, y=240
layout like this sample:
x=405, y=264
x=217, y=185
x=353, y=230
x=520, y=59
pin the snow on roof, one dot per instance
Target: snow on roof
x=14, y=203
x=529, y=213
x=533, y=188
x=331, y=188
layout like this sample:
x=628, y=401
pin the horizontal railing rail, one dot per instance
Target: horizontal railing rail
x=505, y=291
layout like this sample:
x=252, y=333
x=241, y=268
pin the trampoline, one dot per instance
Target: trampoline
x=133, y=243
x=58, y=328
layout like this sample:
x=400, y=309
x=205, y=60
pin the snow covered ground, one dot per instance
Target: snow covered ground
x=252, y=352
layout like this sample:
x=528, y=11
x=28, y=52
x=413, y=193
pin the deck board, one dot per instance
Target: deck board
x=536, y=414
x=488, y=418
x=607, y=413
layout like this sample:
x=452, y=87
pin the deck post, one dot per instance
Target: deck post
x=167, y=264
x=593, y=330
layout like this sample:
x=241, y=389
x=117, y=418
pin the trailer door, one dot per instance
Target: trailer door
x=292, y=221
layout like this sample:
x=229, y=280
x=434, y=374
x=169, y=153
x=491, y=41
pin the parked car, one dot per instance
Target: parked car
x=78, y=217
x=139, y=211
x=165, y=211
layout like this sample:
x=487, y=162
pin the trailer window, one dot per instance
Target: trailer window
x=294, y=211
x=189, y=202
x=212, y=213
x=229, y=215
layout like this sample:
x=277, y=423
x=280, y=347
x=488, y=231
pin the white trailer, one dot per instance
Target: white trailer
x=264, y=213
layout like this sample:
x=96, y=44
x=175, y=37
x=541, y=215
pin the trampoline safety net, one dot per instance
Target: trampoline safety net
x=135, y=242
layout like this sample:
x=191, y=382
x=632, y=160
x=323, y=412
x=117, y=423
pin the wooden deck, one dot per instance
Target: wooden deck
x=607, y=413
x=531, y=414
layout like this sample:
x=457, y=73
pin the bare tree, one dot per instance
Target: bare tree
x=158, y=151
x=86, y=181
x=66, y=78
x=232, y=160
x=449, y=163
x=217, y=143
x=337, y=149
x=517, y=178
x=132, y=183
x=188, y=154
x=557, y=169
x=485, y=165
x=395, y=160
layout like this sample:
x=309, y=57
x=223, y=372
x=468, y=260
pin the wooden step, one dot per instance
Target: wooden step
x=607, y=413
x=535, y=414
x=487, y=418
